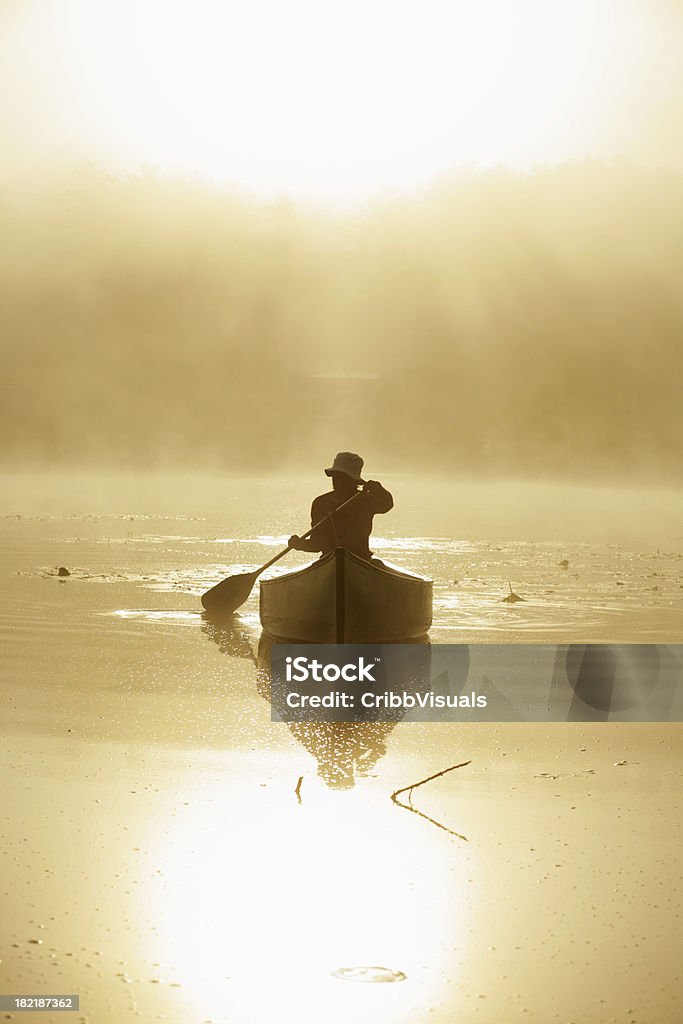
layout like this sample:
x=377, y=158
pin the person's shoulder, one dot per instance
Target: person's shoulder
x=323, y=501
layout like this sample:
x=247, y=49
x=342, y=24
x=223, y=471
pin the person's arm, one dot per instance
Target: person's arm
x=380, y=498
x=316, y=541
x=310, y=544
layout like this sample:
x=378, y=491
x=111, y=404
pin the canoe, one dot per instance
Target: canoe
x=342, y=598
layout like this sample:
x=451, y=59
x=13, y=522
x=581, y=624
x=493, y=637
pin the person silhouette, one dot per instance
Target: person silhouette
x=351, y=527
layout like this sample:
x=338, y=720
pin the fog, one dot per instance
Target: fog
x=496, y=322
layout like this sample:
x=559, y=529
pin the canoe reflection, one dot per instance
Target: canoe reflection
x=344, y=751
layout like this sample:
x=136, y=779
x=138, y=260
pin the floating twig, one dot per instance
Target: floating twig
x=409, y=806
x=429, y=778
x=432, y=821
x=512, y=597
x=298, y=788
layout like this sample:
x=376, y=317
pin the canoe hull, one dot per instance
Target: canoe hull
x=342, y=598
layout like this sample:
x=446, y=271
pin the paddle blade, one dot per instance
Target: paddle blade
x=229, y=594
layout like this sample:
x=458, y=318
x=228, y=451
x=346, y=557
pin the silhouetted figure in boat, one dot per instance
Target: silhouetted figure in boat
x=351, y=527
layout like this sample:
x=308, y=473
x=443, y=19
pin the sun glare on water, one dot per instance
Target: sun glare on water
x=259, y=921
x=336, y=99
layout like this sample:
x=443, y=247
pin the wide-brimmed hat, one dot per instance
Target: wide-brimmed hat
x=349, y=463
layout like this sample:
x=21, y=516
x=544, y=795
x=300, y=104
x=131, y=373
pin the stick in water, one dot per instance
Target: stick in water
x=414, y=810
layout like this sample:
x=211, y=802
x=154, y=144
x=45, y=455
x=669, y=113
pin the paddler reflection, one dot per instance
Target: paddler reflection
x=344, y=750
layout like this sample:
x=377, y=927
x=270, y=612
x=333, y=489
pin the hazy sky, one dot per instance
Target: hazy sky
x=336, y=97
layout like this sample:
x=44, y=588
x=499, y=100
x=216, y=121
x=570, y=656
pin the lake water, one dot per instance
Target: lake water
x=157, y=858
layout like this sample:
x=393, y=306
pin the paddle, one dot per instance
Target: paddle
x=226, y=597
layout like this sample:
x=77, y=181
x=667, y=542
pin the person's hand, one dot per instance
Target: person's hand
x=373, y=486
x=294, y=542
